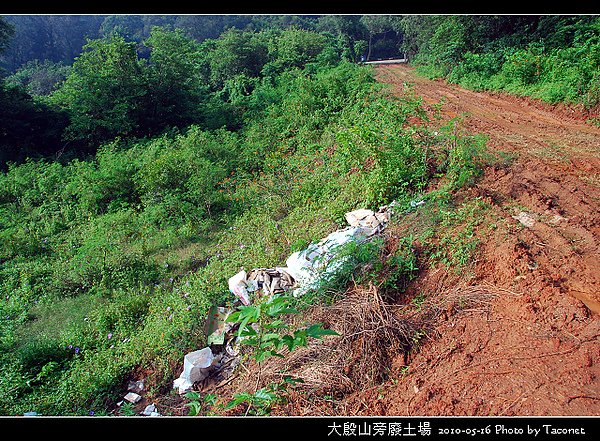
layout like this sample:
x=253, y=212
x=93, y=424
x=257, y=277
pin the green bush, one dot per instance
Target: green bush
x=555, y=59
x=38, y=352
x=137, y=241
x=475, y=70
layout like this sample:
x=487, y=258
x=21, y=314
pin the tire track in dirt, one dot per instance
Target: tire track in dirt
x=535, y=352
x=555, y=177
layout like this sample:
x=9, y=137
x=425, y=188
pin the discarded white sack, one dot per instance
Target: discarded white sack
x=321, y=261
x=196, y=367
x=306, y=269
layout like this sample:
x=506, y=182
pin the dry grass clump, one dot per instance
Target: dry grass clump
x=372, y=335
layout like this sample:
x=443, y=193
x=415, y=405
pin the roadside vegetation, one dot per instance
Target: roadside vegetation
x=552, y=58
x=179, y=167
x=111, y=260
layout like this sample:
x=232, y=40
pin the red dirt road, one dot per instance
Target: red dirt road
x=556, y=176
x=535, y=350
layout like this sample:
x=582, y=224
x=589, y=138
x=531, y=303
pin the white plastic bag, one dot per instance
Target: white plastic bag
x=238, y=286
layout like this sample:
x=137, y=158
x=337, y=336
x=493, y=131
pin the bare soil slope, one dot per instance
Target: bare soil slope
x=535, y=350
x=516, y=334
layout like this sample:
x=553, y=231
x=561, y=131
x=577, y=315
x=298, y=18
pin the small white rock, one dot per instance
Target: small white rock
x=525, y=218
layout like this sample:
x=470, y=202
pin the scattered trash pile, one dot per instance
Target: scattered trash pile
x=135, y=389
x=304, y=271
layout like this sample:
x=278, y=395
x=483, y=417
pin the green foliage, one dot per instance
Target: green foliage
x=553, y=58
x=129, y=27
x=175, y=90
x=476, y=69
x=457, y=240
x=394, y=163
x=39, y=78
x=418, y=301
x=294, y=48
x=41, y=354
x=237, y=53
x=6, y=32
x=28, y=128
x=262, y=401
x=118, y=256
x=58, y=38
x=465, y=159
x=262, y=327
x=349, y=30
x=200, y=405
x=127, y=409
x=103, y=93
x=389, y=271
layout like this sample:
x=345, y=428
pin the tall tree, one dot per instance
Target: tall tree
x=294, y=47
x=238, y=53
x=349, y=29
x=104, y=92
x=48, y=37
x=39, y=78
x=175, y=88
x=27, y=127
x=6, y=32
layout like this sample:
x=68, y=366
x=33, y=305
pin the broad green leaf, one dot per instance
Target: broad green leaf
x=288, y=340
x=195, y=408
x=192, y=395
x=317, y=331
x=238, y=399
x=263, y=394
x=271, y=336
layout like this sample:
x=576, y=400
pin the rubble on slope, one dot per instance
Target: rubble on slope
x=304, y=271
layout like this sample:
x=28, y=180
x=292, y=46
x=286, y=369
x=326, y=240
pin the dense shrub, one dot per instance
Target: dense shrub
x=145, y=232
x=555, y=59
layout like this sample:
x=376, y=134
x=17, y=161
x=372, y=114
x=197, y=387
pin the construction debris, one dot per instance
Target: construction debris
x=150, y=410
x=321, y=261
x=307, y=268
x=196, y=367
x=136, y=386
x=239, y=287
x=217, y=325
x=206, y=366
x=304, y=270
x=371, y=222
x=132, y=397
x=270, y=281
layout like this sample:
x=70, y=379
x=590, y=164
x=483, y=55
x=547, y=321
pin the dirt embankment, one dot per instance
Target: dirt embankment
x=516, y=334
x=534, y=351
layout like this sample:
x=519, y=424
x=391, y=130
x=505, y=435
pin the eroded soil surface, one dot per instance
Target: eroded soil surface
x=535, y=350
